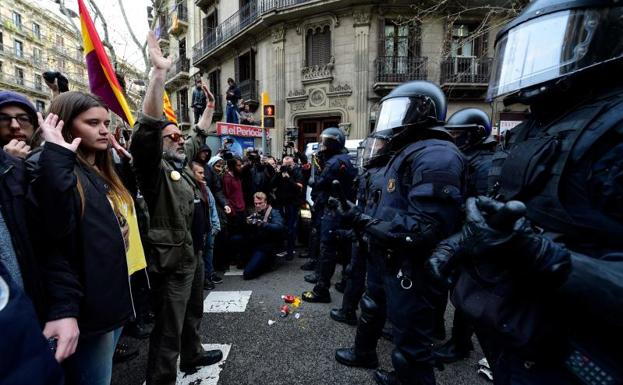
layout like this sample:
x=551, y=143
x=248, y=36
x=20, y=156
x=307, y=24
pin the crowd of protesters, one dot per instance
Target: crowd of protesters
x=142, y=224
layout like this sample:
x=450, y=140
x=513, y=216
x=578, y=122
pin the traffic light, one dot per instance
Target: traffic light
x=269, y=116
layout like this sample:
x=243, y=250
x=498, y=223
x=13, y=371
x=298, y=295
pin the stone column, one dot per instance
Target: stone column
x=279, y=98
x=361, y=23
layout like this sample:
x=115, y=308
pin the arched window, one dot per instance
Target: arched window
x=318, y=46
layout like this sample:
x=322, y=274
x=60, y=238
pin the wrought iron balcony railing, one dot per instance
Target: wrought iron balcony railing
x=399, y=69
x=249, y=89
x=465, y=70
x=236, y=23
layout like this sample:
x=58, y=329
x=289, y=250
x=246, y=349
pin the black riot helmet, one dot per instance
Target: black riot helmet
x=552, y=40
x=332, y=140
x=412, y=103
x=405, y=113
x=469, y=127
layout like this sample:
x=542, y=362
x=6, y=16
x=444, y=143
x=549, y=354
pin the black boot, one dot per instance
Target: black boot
x=383, y=377
x=317, y=295
x=344, y=316
x=208, y=357
x=451, y=352
x=349, y=357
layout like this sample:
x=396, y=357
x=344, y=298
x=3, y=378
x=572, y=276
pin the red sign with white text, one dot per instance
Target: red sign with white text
x=238, y=130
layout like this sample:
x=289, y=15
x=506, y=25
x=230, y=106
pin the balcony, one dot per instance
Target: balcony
x=243, y=19
x=163, y=37
x=179, y=74
x=249, y=89
x=22, y=85
x=204, y=4
x=393, y=70
x=178, y=20
x=465, y=77
x=9, y=24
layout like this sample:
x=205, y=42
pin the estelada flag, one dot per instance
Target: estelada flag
x=102, y=78
x=168, y=108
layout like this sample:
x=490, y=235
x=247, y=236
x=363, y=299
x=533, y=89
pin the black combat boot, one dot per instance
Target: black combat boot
x=451, y=351
x=383, y=377
x=349, y=357
x=348, y=317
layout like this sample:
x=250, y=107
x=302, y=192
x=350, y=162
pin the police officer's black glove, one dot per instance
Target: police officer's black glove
x=478, y=237
x=540, y=256
x=533, y=253
x=351, y=214
x=442, y=261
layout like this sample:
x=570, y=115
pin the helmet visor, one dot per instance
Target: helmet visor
x=392, y=114
x=554, y=45
x=373, y=147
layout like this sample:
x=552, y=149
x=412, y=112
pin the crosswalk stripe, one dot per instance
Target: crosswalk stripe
x=207, y=375
x=226, y=301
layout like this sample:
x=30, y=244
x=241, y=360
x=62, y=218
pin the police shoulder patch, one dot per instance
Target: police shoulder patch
x=391, y=185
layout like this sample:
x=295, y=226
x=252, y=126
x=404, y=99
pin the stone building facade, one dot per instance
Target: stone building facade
x=34, y=39
x=325, y=62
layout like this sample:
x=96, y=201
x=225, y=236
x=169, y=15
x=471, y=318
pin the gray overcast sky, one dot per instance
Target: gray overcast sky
x=136, y=10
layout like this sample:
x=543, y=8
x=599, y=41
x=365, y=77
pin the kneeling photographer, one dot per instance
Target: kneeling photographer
x=265, y=232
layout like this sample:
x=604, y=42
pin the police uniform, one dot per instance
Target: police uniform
x=416, y=201
x=556, y=310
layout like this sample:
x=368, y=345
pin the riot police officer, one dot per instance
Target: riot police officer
x=368, y=166
x=416, y=202
x=336, y=166
x=550, y=285
x=471, y=130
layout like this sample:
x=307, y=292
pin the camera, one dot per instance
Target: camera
x=255, y=219
x=62, y=82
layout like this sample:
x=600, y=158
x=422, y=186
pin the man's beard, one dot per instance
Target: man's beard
x=172, y=154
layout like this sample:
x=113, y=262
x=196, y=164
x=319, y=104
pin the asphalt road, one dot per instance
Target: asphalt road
x=291, y=350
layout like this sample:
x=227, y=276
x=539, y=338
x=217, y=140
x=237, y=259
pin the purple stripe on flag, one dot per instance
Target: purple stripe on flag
x=99, y=85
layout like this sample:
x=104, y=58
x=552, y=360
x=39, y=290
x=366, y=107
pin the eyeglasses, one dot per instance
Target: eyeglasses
x=176, y=137
x=22, y=120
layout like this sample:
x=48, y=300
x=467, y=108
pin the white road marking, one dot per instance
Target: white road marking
x=234, y=272
x=207, y=375
x=226, y=301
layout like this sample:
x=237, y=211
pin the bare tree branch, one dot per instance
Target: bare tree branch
x=140, y=46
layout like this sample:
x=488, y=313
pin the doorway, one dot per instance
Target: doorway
x=310, y=129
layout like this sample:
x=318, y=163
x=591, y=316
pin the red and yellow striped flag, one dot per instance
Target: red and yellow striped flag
x=169, y=113
x=102, y=79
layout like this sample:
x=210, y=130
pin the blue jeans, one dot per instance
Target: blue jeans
x=208, y=256
x=291, y=217
x=91, y=364
x=257, y=263
x=231, y=113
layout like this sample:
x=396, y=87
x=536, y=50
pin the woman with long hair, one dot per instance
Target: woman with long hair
x=87, y=217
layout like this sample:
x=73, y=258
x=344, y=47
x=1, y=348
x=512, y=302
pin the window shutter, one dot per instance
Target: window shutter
x=325, y=46
x=309, y=49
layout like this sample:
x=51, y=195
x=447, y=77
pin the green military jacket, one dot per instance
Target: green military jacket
x=170, y=193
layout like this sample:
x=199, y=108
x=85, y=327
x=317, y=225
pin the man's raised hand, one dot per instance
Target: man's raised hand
x=158, y=61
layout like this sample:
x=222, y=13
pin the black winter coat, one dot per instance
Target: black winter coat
x=85, y=269
x=13, y=191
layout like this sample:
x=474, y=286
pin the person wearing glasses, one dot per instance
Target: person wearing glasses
x=161, y=154
x=18, y=121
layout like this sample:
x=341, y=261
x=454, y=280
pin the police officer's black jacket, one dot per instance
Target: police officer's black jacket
x=569, y=172
x=85, y=268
